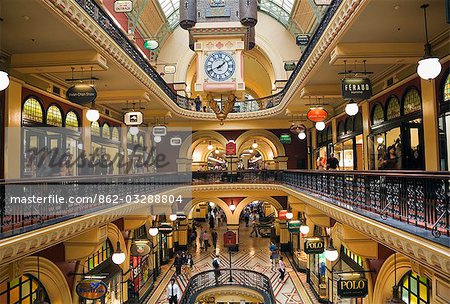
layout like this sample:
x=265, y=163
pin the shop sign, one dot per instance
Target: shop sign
x=140, y=248
x=181, y=216
x=229, y=239
x=314, y=246
x=317, y=114
x=322, y=2
x=294, y=226
x=289, y=66
x=302, y=39
x=282, y=215
x=355, y=288
x=123, y=6
x=230, y=148
x=133, y=118
x=165, y=228
x=170, y=69
x=285, y=138
x=356, y=88
x=151, y=44
x=81, y=93
x=91, y=289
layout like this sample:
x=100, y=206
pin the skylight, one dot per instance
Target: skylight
x=279, y=9
x=170, y=9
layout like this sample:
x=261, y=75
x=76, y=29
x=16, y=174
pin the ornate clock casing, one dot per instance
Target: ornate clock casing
x=220, y=66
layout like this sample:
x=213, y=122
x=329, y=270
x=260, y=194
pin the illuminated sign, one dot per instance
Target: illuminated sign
x=285, y=138
x=91, y=289
x=81, y=94
x=133, y=118
x=354, y=288
x=314, y=246
x=356, y=88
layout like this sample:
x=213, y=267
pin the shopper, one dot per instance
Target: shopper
x=214, y=238
x=188, y=266
x=198, y=103
x=173, y=292
x=246, y=218
x=254, y=229
x=216, y=265
x=202, y=233
x=206, y=240
x=332, y=163
x=178, y=263
x=281, y=268
x=273, y=253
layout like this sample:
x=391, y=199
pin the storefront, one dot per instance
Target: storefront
x=25, y=289
x=49, y=127
x=101, y=265
x=316, y=274
x=349, y=148
x=444, y=121
x=105, y=145
x=324, y=147
x=136, y=152
x=396, y=139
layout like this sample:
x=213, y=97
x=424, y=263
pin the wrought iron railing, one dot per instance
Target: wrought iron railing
x=236, y=277
x=96, y=12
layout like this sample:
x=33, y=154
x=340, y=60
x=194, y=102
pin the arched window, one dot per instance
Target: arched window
x=54, y=116
x=446, y=92
x=412, y=101
x=141, y=140
x=414, y=289
x=95, y=128
x=357, y=123
x=102, y=254
x=106, y=130
x=72, y=121
x=129, y=138
x=32, y=110
x=329, y=134
x=377, y=114
x=349, y=125
x=393, y=108
x=115, y=134
x=24, y=289
x=340, y=129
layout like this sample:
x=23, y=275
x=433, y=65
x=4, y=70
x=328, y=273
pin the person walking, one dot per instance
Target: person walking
x=254, y=229
x=214, y=238
x=273, y=255
x=216, y=265
x=178, y=263
x=246, y=218
x=202, y=234
x=198, y=103
x=281, y=268
x=333, y=163
x=173, y=292
x=206, y=240
x=188, y=266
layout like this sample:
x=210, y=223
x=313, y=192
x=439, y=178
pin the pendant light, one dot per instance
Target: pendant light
x=134, y=130
x=92, y=114
x=302, y=135
x=4, y=80
x=255, y=144
x=217, y=151
x=331, y=253
x=153, y=231
x=251, y=150
x=351, y=108
x=118, y=256
x=304, y=229
x=157, y=139
x=289, y=215
x=320, y=126
x=232, y=206
x=173, y=217
x=429, y=66
x=210, y=146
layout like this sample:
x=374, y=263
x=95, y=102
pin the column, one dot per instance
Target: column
x=430, y=125
x=365, y=112
x=285, y=237
x=13, y=123
x=183, y=235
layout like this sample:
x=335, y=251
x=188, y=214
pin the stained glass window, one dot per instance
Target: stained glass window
x=412, y=101
x=24, y=289
x=106, y=130
x=115, y=134
x=356, y=258
x=72, y=120
x=102, y=254
x=95, y=128
x=414, y=289
x=32, y=110
x=393, y=108
x=54, y=116
x=447, y=89
x=377, y=115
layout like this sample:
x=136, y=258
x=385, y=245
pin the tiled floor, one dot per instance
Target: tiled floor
x=253, y=254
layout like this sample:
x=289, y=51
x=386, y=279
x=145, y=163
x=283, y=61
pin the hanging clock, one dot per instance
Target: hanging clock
x=220, y=66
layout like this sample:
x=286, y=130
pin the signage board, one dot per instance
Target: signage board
x=123, y=6
x=356, y=88
x=170, y=69
x=81, y=93
x=289, y=66
x=91, y=289
x=165, y=228
x=302, y=39
x=140, y=248
x=151, y=44
x=159, y=131
x=353, y=288
x=314, y=246
x=229, y=239
x=230, y=148
x=322, y=2
x=294, y=226
x=285, y=138
x=133, y=118
x=176, y=141
x=181, y=216
x=282, y=215
x=317, y=114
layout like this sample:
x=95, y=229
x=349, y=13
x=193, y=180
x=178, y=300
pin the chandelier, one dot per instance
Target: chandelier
x=222, y=108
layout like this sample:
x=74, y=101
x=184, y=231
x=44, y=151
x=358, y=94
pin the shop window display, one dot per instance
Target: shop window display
x=25, y=289
x=414, y=289
x=32, y=110
x=387, y=154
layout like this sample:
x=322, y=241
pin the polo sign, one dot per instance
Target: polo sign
x=356, y=88
x=314, y=246
x=355, y=288
x=81, y=93
x=91, y=289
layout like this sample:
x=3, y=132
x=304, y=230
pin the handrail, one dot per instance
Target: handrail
x=96, y=12
x=239, y=277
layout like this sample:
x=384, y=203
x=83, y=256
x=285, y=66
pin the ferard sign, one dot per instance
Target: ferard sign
x=314, y=246
x=354, y=288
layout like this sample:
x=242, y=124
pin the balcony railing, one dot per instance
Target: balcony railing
x=96, y=12
x=239, y=277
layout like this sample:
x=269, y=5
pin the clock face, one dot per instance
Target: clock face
x=219, y=66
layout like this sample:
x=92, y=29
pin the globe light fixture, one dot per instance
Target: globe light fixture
x=429, y=66
x=157, y=139
x=92, y=115
x=320, y=126
x=331, y=253
x=4, y=80
x=380, y=140
x=173, y=217
x=210, y=146
x=352, y=108
x=302, y=135
x=134, y=130
x=232, y=207
x=304, y=229
x=118, y=256
x=217, y=151
x=255, y=144
x=250, y=150
x=289, y=215
x=153, y=231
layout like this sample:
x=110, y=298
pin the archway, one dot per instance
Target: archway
x=263, y=136
x=248, y=200
x=220, y=203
